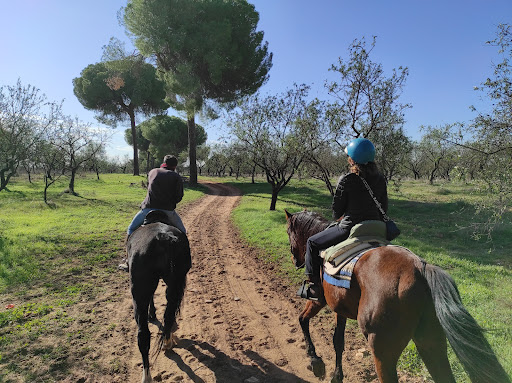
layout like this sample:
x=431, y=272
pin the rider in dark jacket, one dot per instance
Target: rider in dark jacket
x=165, y=190
x=351, y=204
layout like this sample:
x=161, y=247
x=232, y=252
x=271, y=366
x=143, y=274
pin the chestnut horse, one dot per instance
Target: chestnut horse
x=395, y=296
x=157, y=250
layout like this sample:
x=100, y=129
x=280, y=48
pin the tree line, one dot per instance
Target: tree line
x=208, y=58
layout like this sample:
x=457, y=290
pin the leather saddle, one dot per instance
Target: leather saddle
x=155, y=216
x=363, y=236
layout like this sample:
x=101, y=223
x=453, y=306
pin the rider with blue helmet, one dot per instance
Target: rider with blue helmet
x=351, y=204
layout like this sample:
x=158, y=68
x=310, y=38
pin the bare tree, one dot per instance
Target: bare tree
x=366, y=101
x=25, y=115
x=79, y=142
x=278, y=133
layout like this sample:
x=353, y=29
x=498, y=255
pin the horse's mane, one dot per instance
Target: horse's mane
x=307, y=223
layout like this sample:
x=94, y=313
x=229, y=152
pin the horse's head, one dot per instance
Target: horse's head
x=301, y=226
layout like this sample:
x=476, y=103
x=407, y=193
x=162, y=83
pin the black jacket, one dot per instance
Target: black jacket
x=165, y=189
x=353, y=201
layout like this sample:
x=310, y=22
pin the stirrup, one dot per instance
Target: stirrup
x=304, y=292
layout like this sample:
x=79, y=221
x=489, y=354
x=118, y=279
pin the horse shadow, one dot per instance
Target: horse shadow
x=227, y=369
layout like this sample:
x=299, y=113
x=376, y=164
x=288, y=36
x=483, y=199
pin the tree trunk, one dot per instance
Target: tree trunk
x=273, y=201
x=46, y=186
x=192, y=149
x=71, y=187
x=136, y=172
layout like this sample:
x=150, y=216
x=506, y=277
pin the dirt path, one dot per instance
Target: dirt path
x=239, y=321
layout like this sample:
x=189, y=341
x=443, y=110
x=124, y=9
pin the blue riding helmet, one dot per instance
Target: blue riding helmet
x=361, y=150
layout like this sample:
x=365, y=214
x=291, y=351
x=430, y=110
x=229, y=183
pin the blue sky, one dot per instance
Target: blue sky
x=47, y=43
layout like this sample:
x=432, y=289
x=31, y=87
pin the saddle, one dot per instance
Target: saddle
x=363, y=236
x=155, y=216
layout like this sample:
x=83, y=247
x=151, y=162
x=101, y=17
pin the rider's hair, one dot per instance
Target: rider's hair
x=171, y=161
x=366, y=170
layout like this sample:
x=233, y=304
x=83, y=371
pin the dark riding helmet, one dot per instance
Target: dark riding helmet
x=361, y=150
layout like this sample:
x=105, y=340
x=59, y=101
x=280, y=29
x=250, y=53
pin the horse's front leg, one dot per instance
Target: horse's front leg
x=317, y=364
x=339, y=346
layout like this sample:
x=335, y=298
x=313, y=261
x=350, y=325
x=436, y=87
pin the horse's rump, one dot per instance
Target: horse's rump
x=158, y=248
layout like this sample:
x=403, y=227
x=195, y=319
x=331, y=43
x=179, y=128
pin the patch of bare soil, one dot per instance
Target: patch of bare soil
x=238, y=323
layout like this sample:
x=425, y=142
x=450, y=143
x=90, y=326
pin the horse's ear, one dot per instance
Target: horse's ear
x=288, y=215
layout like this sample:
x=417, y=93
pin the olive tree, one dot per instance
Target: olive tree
x=277, y=131
x=25, y=117
x=79, y=142
x=366, y=101
x=491, y=133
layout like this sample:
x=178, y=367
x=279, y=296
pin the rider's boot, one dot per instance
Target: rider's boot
x=124, y=263
x=311, y=288
x=314, y=291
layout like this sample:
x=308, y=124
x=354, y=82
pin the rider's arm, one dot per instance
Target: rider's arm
x=178, y=194
x=339, y=201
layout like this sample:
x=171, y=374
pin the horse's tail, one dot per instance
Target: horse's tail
x=180, y=261
x=464, y=334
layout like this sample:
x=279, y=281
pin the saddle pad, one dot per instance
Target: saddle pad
x=360, y=235
x=344, y=275
x=334, y=266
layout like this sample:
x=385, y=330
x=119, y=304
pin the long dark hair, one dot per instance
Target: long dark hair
x=364, y=170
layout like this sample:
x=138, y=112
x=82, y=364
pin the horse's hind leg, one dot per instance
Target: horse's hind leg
x=142, y=293
x=174, y=294
x=140, y=306
x=430, y=341
x=311, y=309
x=385, y=355
x=387, y=338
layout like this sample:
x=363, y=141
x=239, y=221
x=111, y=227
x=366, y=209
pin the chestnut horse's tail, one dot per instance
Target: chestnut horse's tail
x=465, y=335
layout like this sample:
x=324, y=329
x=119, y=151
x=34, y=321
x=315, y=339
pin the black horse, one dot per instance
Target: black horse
x=157, y=250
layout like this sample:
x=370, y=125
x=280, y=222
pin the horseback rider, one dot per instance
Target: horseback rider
x=351, y=204
x=165, y=190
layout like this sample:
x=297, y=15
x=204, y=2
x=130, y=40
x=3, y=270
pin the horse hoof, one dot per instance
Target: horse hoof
x=318, y=367
x=146, y=376
x=336, y=379
x=170, y=342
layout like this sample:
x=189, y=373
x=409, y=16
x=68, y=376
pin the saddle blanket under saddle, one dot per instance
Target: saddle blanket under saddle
x=340, y=259
x=342, y=275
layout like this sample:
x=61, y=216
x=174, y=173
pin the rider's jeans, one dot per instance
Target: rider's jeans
x=321, y=241
x=139, y=220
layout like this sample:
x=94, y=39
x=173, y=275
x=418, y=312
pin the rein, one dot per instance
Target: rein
x=303, y=263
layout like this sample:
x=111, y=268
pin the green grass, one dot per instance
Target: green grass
x=434, y=222
x=55, y=261
x=55, y=258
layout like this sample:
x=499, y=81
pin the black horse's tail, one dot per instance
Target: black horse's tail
x=465, y=335
x=178, y=261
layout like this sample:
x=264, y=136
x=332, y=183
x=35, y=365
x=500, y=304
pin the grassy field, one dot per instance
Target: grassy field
x=434, y=220
x=56, y=261
x=53, y=258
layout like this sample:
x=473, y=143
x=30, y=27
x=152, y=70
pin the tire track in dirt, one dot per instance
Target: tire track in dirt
x=238, y=322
